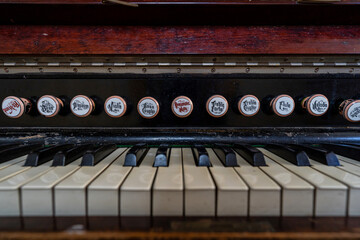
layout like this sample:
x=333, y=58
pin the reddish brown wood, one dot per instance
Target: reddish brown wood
x=179, y=40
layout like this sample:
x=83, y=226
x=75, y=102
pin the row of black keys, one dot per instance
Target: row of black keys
x=91, y=154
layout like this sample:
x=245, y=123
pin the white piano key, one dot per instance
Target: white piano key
x=349, y=179
x=349, y=167
x=135, y=192
x=232, y=192
x=103, y=193
x=13, y=161
x=264, y=194
x=168, y=187
x=330, y=196
x=13, y=169
x=70, y=194
x=297, y=194
x=199, y=187
x=10, y=198
x=37, y=195
x=349, y=160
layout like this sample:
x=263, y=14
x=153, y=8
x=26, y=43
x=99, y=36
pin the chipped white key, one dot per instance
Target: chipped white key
x=297, y=194
x=349, y=179
x=10, y=198
x=70, y=194
x=264, y=194
x=135, y=192
x=232, y=192
x=103, y=193
x=37, y=195
x=13, y=161
x=168, y=187
x=331, y=195
x=199, y=187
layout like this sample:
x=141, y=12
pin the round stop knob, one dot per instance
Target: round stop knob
x=15, y=107
x=115, y=106
x=82, y=106
x=316, y=104
x=282, y=105
x=148, y=107
x=248, y=105
x=182, y=106
x=49, y=106
x=350, y=110
x=217, y=106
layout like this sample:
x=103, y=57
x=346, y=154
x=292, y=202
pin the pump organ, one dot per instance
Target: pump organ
x=154, y=121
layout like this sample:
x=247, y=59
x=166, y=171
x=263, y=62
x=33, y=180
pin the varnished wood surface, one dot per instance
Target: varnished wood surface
x=179, y=40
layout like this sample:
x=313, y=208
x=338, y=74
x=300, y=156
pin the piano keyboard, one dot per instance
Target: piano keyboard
x=237, y=181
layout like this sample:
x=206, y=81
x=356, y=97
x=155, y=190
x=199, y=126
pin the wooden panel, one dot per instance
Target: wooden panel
x=179, y=40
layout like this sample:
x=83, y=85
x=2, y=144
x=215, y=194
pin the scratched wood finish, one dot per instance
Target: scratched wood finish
x=179, y=40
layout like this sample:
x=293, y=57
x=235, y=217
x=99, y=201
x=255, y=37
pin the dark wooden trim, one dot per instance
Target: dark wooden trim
x=179, y=40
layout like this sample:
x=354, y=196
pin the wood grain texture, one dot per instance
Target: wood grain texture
x=179, y=40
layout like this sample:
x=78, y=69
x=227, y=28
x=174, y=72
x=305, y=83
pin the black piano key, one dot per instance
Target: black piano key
x=135, y=155
x=64, y=157
x=8, y=146
x=44, y=155
x=294, y=156
x=346, y=150
x=320, y=155
x=250, y=154
x=162, y=156
x=18, y=151
x=95, y=155
x=201, y=156
x=226, y=155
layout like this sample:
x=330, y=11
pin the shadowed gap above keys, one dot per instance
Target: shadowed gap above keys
x=350, y=151
x=44, y=155
x=135, y=155
x=18, y=151
x=320, y=155
x=201, y=156
x=294, y=156
x=250, y=154
x=66, y=156
x=95, y=155
x=162, y=156
x=226, y=155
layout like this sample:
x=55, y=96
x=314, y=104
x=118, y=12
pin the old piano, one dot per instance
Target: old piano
x=179, y=119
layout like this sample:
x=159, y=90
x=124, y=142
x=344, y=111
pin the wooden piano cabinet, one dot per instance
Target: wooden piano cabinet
x=148, y=33
x=190, y=228
x=129, y=40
